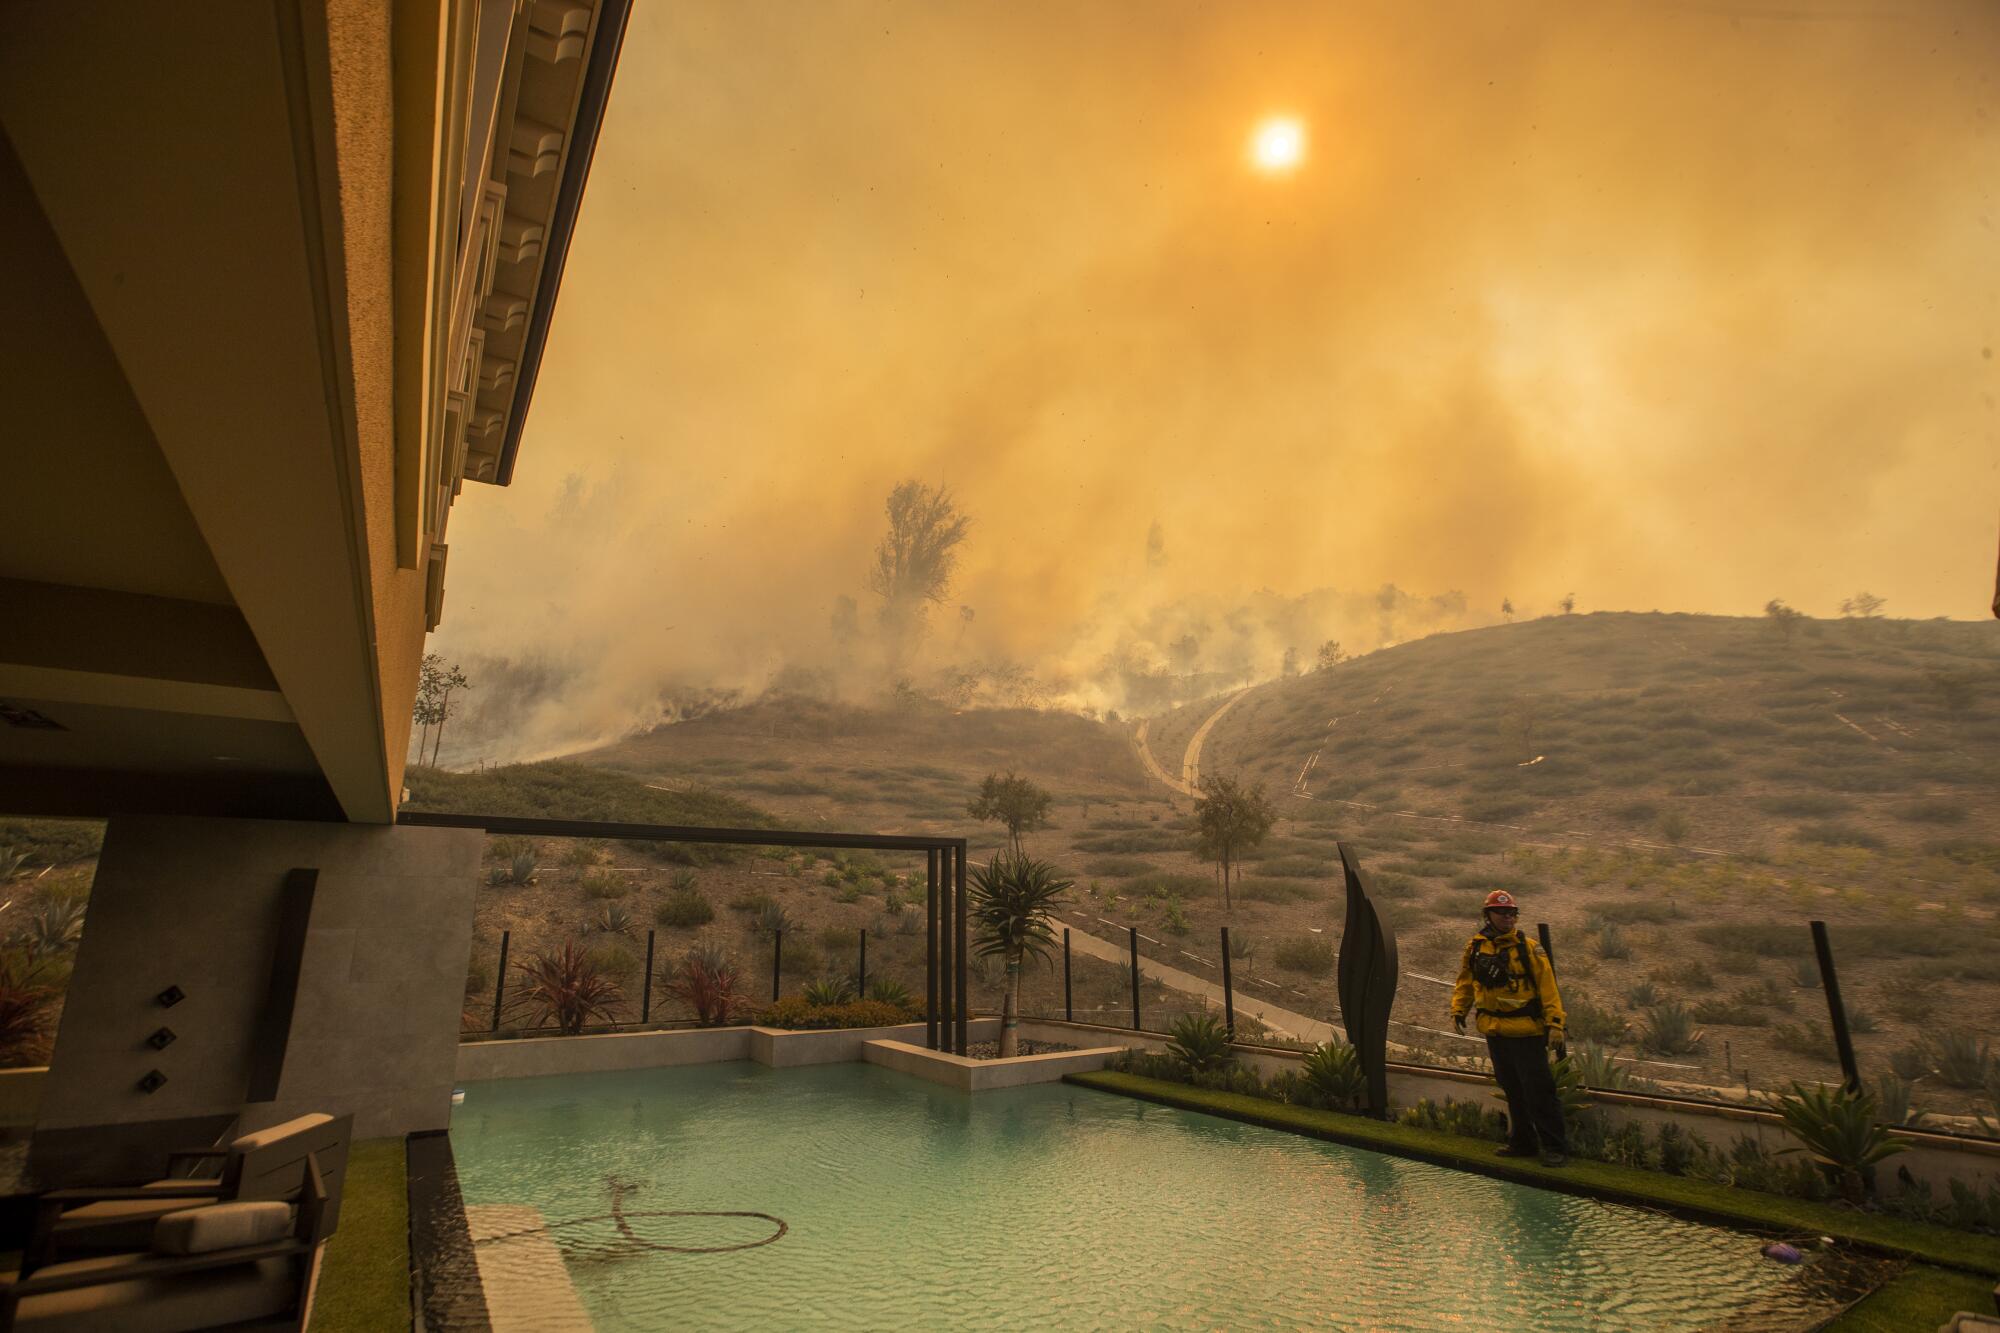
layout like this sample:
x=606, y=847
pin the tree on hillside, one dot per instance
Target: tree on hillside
x=1329, y=655
x=1507, y=607
x=1186, y=652
x=1011, y=800
x=1568, y=603
x=1863, y=606
x=915, y=558
x=449, y=678
x=1013, y=900
x=436, y=679
x=1290, y=665
x=1783, y=620
x=1229, y=820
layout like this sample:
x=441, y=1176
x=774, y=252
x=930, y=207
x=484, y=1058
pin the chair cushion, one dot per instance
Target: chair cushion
x=115, y=1224
x=263, y=1137
x=171, y=1304
x=221, y=1226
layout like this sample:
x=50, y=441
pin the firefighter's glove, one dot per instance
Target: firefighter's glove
x=1458, y=1021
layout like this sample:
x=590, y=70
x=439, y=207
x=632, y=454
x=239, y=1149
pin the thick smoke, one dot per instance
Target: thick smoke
x=1672, y=307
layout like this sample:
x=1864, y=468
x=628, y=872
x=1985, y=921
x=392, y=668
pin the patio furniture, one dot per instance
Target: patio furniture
x=243, y=1264
x=268, y=1164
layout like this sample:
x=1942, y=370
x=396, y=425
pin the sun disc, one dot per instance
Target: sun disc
x=1278, y=144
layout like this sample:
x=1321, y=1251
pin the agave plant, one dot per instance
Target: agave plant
x=1840, y=1132
x=1893, y=1095
x=1611, y=943
x=53, y=924
x=1910, y=1063
x=1643, y=996
x=1013, y=899
x=11, y=862
x=1669, y=1030
x=521, y=870
x=1201, y=1042
x=24, y=1009
x=1960, y=1059
x=567, y=986
x=829, y=990
x=1333, y=1071
x=888, y=990
x=706, y=980
x=772, y=919
x=613, y=920
x=1595, y=1068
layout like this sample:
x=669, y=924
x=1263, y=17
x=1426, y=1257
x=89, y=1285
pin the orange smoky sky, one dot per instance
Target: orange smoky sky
x=1676, y=306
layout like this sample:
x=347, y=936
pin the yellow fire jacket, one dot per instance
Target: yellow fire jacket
x=1500, y=1009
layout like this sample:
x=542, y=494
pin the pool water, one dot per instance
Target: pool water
x=907, y=1205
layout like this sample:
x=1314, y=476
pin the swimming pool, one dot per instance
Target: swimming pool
x=893, y=1203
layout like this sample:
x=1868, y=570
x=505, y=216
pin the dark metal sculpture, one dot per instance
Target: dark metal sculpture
x=1368, y=973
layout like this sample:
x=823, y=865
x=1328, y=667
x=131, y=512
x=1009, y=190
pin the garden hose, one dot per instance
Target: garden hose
x=622, y=1220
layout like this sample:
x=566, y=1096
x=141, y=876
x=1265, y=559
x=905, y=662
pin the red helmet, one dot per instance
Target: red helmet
x=1500, y=898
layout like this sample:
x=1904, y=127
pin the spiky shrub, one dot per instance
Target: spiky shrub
x=707, y=980
x=909, y=923
x=521, y=868
x=682, y=881
x=25, y=998
x=828, y=990
x=1895, y=1097
x=582, y=854
x=601, y=884
x=1200, y=1042
x=1333, y=1076
x=1643, y=996
x=613, y=920
x=892, y=902
x=1668, y=1029
x=683, y=911
x=11, y=862
x=1595, y=1068
x=53, y=924
x=888, y=990
x=1176, y=920
x=1611, y=943
x=1841, y=1132
x=772, y=919
x=566, y=985
x=1961, y=1059
x=752, y=903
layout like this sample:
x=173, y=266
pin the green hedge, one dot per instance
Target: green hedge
x=1699, y=1199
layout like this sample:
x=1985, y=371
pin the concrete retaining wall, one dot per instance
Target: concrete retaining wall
x=536, y=1056
x=969, y=1075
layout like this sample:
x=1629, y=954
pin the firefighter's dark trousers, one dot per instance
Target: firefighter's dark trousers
x=1534, y=1112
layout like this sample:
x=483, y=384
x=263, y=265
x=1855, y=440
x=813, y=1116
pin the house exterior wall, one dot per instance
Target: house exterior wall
x=196, y=903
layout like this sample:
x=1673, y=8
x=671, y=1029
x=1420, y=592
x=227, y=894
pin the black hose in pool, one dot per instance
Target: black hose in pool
x=621, y=1218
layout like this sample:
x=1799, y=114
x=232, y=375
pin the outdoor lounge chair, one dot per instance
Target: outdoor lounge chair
x=247, y=1264
x=268, y=1164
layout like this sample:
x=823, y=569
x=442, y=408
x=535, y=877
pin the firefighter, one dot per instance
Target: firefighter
x=1507, y=979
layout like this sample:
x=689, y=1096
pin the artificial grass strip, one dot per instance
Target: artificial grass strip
x=1700, y=1200
x=364, y=1280
x=1920, y=1297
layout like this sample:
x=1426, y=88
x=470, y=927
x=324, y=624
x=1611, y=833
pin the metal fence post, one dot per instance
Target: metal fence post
x=861, y=972
x=646, y=996
x=777, y=961
x=945, y=973
x=500, y=982
x=1133, y=931
x=930, y=949
x=1069, y=1006
x=1834, y=1009
x=964, y=1009
x=1228, y=989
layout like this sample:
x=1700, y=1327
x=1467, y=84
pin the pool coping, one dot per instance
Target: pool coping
x=1962, y=1251
x=969, y=1075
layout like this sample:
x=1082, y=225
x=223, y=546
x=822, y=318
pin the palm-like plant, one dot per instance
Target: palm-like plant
x=706, y=980
x=1840, y=1132
x=1333, y=1071
x=829, y=990
x=1013, y=898
x=888, y=990
x=11, y=862
x=53, y=924
x=24, y=1008
x=1201, y=1042
x=567, y=986
x=1670, y=1030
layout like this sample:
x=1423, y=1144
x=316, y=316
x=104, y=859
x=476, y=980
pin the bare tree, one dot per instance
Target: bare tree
x=1783, y=620
x=1507, y=607
x=1290, y=665
x=1568, y=603
x=1863, y=606
x=1330, y=655
x=449, y=678
x=424, y=712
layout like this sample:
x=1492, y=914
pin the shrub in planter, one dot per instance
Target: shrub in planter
x=1841, y=1134
x=888, y=990
x=1333, y=1075
x=707, y=980
x=795, y=1012
x=828, y=991
x=1201, y=1042
x=567, y=985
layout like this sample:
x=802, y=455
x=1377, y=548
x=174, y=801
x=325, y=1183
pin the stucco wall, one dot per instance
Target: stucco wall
x=195, y=903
